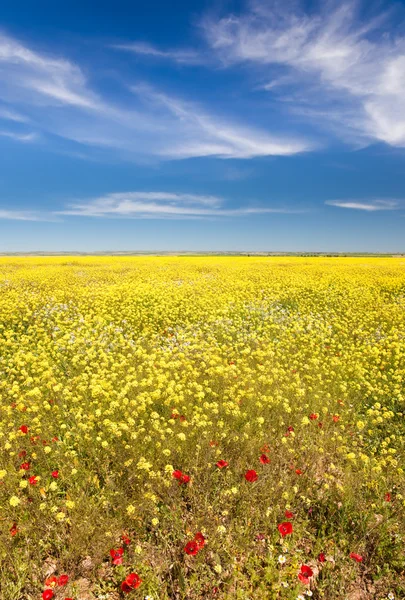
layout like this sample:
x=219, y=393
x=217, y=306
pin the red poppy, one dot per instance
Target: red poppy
x=335, y=418
x=55, y=439
x=116, y=556
x=14, y=530
x=63, y=579
x=55, y=474
x=182, y=418
x=357, y=557
x=25, y=466
x=131, y=582
x=213, y=443
x=184, y=479
x=387, y=497
x=288, y=514
x=265, y=448
x=22, y=454
x=313, y=416
x=221, y=464
x=251, y=476
x=264, y=459
x=47, y=595
x=298, y=471
x=33, y=480
x=199, y=540
x=24, y=429
x=191, y=548
x=51, y=581
x=125, y=539
x=305, y=573
x=177, y=474
x=321, y=557
x=285, y=528
x=290, y=428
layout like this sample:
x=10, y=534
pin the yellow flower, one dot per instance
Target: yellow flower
x=14, y=501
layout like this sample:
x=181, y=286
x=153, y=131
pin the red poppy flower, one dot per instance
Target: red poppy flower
x=131, y=582
x=63, y=579
x=264, y=459
x=357, y=557
x=298, y=471
x=182, y=418
x=304, y=574
x=290, y=428
x=47, y=595
x=251, y=476
x=51, y=581
x=221, y=464
x=22, y=454
x=177, y=474
x=285, y=528
x=313, y=416
x=116, y=556
x=14, y=530
x=55, y=474
x=335, y=418
x=199, y=540
x=25, y=466
x=191, y=548
x=24, y=429
x=125, y=539
x=288, y=514
x=33, y=480
x=213, y=443
x=387, y=497
x=321, y=557
x=184, y=479
x=55, y=439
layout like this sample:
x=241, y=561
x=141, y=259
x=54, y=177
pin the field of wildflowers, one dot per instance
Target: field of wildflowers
x=197, y=428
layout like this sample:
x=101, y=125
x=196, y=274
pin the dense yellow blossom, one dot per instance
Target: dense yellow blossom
x=116, y=373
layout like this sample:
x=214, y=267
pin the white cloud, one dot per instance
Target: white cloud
x=206, y=135
x=23, y=215
x=183, y=57
x=162, y=205
x=57, y=99
x=369, y=206
x=356, y=69
x=19, y=137
x=11, y=115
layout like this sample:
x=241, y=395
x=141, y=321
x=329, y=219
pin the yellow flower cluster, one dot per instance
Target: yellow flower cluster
x=115, y=372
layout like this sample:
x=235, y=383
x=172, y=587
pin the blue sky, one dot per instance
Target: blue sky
x=257, y=125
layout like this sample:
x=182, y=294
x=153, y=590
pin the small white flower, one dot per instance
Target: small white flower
x=281, y=559
x=285, y=584
x=391, y=596
x=300, y=597
x=308, y=593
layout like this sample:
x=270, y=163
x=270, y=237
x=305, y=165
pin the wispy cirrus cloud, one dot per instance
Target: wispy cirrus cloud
x=164, y=205
x=57, y=98
x=25, y=215
x=368, y=206
x=19, y=137
x=179, y=56
x=207, y=135
x=338, y=70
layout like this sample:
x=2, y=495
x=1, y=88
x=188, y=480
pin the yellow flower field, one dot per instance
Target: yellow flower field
x=202, y=427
